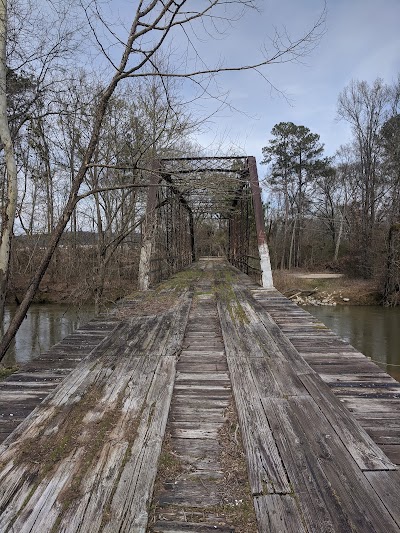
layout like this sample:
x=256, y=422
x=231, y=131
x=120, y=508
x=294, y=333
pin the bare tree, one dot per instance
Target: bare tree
x=390, y=137
x=30, y=64
x=12, y=191
x=153, y=22
x=364, y=106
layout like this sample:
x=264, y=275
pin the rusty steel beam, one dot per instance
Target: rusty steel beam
x=263, y=251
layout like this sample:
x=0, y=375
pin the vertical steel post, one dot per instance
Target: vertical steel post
x=266, y=272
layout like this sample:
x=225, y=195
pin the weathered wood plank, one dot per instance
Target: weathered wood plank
x=128, y=508
x=184, y=527
x=339, y=366
x=387, y=486
x=362, y=448
x=202, y=393
x=209, y=432
x=191, y=493
x=365, y=406
x=58, y=369
x=363, y=509
x=278, y=513
x=392, y=451
x=318, y=506
x=384, y=435
x=330, y=488
x=131, y=378
x=203, y=376
x=189, y=412
x=200, y=454
x=198, y=367
x=266, y=470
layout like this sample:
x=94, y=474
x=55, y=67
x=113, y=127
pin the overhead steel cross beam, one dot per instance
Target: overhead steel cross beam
x=186, y=165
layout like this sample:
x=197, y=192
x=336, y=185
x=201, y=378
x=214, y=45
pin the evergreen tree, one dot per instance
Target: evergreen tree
x=296, y=158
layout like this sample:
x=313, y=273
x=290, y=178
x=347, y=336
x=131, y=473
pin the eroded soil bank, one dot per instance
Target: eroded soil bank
x=306, y=288
x=300, y=286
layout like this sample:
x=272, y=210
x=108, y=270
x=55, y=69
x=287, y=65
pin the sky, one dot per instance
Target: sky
x=361, y=41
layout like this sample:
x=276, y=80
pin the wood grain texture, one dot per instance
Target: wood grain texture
x=105, y=424
x=202, y=393
x=387, y=486
x=323, y=449
x=363, y=387
x=24, y=390
x=278, y=513
x=86, y=458
x=359, y=444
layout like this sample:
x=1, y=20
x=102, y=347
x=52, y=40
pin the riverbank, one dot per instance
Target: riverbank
x=306, y=288
x=53, y=292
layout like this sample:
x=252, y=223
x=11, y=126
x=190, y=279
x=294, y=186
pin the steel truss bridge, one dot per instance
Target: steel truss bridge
x=185, y=191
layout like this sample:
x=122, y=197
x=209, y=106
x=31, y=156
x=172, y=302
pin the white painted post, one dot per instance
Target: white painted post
x=266, y=272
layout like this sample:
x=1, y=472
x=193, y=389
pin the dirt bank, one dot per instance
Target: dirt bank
x=302, y=287
x=69, y=293
x=324, y=288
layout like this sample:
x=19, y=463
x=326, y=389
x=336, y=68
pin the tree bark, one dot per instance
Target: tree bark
x=339, y=237
x=148, y=232
x=392, y=273
x=11, y=168
x=73, y=197
x=292, y=244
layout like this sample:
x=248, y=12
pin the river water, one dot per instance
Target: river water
x=373, y=330
x=44, y=325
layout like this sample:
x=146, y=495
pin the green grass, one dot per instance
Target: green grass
x=7, y=371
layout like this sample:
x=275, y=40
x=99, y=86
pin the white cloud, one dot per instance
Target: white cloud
x=362, y=41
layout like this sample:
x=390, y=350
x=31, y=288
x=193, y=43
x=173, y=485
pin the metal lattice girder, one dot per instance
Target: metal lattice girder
x=184, y=165
x=223, y=187
x=210, y=184
x=183, y=190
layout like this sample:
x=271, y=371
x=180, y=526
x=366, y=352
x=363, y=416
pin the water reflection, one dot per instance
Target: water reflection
x=373, y=330
x=44, y=325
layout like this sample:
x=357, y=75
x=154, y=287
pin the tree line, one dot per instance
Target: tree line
x=342, y=212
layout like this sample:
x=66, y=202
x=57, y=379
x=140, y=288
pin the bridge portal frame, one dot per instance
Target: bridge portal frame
x=181, y=175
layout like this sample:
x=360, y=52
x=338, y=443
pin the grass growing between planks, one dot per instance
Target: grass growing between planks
x=71, y=435
x=224, y=292
x=236, y=508
x=163, y=297
x=46, y=451
x=7, y=371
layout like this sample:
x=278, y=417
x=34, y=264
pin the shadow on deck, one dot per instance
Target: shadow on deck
x=138, y=426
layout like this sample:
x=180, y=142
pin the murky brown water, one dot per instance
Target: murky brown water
x=373, y=330
x=44, y=325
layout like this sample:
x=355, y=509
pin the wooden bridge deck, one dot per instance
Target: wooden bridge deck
x=138, y=431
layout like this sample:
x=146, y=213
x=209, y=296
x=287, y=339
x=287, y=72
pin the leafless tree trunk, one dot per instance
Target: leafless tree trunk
x=339, y=237
x=5, y=137
x=148, y=229
x=72, y=198
x=363, y=106
x=292, y=243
